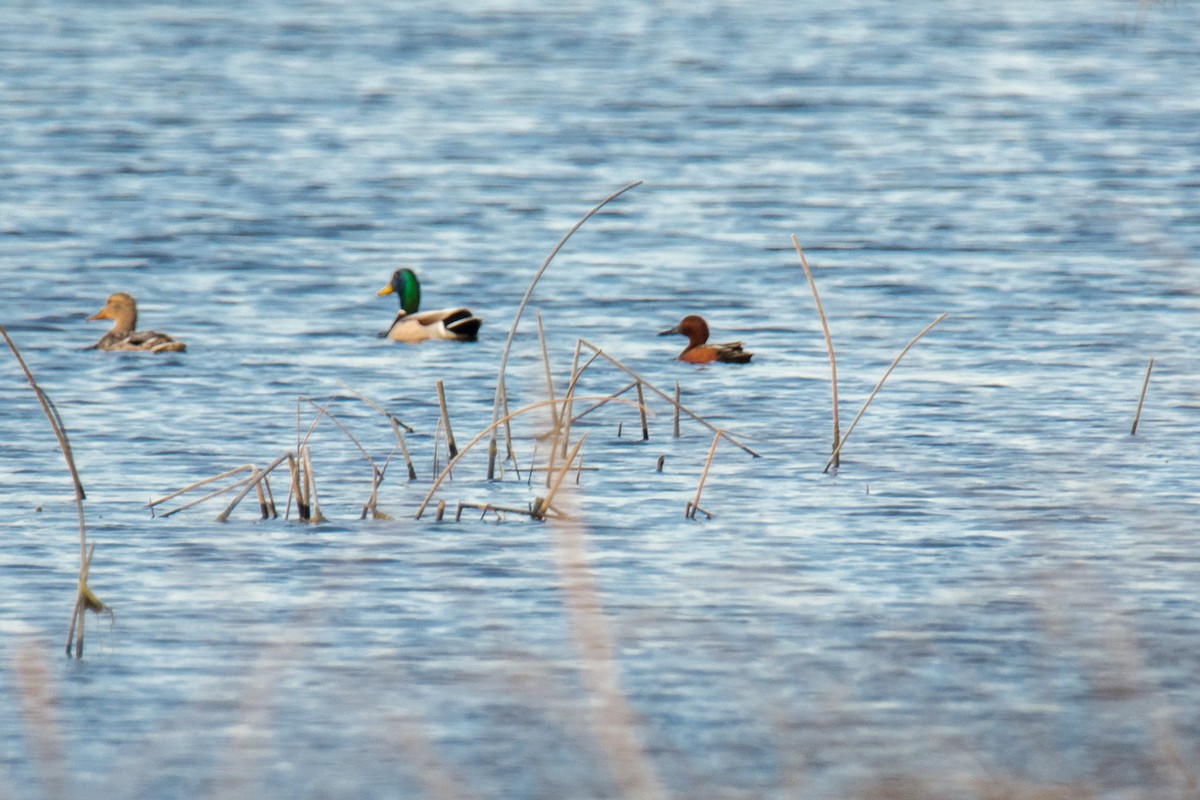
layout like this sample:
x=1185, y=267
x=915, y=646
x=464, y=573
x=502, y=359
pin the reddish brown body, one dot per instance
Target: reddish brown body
x=698, y=351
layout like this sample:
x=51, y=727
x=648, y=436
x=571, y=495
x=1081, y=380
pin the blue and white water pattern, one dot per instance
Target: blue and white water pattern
x=999, y=584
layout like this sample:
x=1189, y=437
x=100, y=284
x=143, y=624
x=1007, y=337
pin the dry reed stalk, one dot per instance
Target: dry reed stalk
x=678, y=406
x=501, y=389
x=812, y=284
x=642, y=413
x=450, y=445
x=478, y=438
x=539, y=511
x=690, y=511
x=198, y=484
x=613, y=720
x=838, y=450
x=1145, y=385
x=296, y=491
x=241, y=482
x=497, y=510
x=676, y=409
x=549, y=375
x=441, y=509
x=314, y=502
x=84, y=598
x=255, y=482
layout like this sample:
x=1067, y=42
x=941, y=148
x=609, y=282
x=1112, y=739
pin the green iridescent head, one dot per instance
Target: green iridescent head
x=404, y=284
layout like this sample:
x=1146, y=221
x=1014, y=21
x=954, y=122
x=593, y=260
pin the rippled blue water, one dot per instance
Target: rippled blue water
x=998, y=585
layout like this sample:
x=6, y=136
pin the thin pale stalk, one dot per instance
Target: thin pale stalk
x=704, y=475
x=676, y=409
x=812, y=284
x=838, y=450
x=1145, y=385
x=549, y=375
x=665, y=396
x=501, y=390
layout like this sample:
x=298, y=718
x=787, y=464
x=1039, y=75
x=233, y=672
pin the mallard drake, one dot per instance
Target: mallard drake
x=121, y=308
x=698, y=351
x=411, y=325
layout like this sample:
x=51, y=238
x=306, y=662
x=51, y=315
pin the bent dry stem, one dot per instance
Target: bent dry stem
x=838, y=450
x=812, y=284
x=501, y=397
x=85, y=599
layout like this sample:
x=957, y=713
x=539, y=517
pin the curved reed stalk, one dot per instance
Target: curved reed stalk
x=838, y=450
x=812, y=284
x=84, y=598
x=501, y=392
x=479, y=437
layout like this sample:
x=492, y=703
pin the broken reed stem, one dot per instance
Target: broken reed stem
x=451, y=447
x=642, y=413
x=539, y=511
x=838, y=450
x=314, y=503
x=549, y=372
x=408, y=462
x=294, y=464
x=478, y=438
x=676, y=409
x=689, y=510
x=501, y=389
x=678, y=406
x=812, y=284
x=1145, y=384
x=255, y=482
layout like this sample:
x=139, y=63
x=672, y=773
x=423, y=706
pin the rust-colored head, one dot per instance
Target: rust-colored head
x=693, y=327
x=121, y=308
